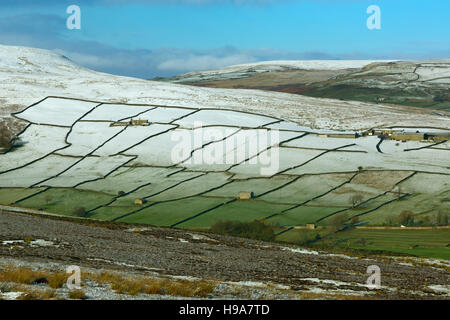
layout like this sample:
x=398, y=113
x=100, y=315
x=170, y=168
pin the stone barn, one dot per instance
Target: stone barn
x=310, y=226
x=245, y=195
x=139, y=202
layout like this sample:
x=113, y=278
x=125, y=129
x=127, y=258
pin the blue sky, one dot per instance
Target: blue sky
x=147, y=38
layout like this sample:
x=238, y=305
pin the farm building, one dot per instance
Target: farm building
x=244, y=195
x=139, y=201
x=408, y=136
x=139, y=123
x=310, y=226
x=384, y=131
x=348, y=135
x=368, y=133
x=441, y=136
x=130, y=123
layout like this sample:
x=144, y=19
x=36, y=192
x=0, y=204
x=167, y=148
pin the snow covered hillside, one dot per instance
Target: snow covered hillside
x=28, y=75
x=244, y=70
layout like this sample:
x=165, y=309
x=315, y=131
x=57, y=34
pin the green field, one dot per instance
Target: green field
x=432, y=243
x=65, y=200
x=244, y=211
x=272, y=205
x=367, y=94
x=200, y=212
x=421, y=205
x=301, y=215
x=169, y=213
x=11, y=195
x=257, y=185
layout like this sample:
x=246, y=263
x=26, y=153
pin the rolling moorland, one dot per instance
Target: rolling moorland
x=411, y=83
x=78, y=153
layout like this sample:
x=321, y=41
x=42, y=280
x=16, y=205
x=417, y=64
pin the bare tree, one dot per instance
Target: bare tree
x=79, y=211
x=6, y=136
x=356, y=200
x=48, y=198
x=399, y=192
x=338, y=222
x=442, y=219
x=406, y=218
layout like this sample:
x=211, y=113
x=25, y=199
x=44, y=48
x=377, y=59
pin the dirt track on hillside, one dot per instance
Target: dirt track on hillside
x=177, y=252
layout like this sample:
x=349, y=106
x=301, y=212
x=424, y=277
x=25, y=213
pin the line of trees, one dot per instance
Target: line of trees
x=442, y=219
x=407, y=218
x=252, y=230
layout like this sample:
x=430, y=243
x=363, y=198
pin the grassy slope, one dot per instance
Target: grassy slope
x=277, y=210
x=422, y=243
x=427, y=243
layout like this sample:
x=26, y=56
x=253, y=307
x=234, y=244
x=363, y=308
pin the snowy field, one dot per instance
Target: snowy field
x=130, y=162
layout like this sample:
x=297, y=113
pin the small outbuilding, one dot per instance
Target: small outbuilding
x=245, y=195
x=139, y=123
x=310, y=226
x=131, y=122
x=139, y=202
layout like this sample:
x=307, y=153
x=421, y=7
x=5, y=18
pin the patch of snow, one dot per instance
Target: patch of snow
x=41, y=243
x=187, y=278
x=440, y=288
x=90, y=168
x=115, y=112
x=333, y=282
x=60, y=112
x=36, y=172
x=85, y=137
x=9, y=242
x=131, y=136
x=32, y=243
x=118, y=263
x=165, y=115
x=201, y=237
x=223, y=118
x=254, y=284
x=300, y=250
x=37, y=141
x=10, y=295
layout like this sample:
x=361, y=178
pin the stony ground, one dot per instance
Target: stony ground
x=160, y=252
